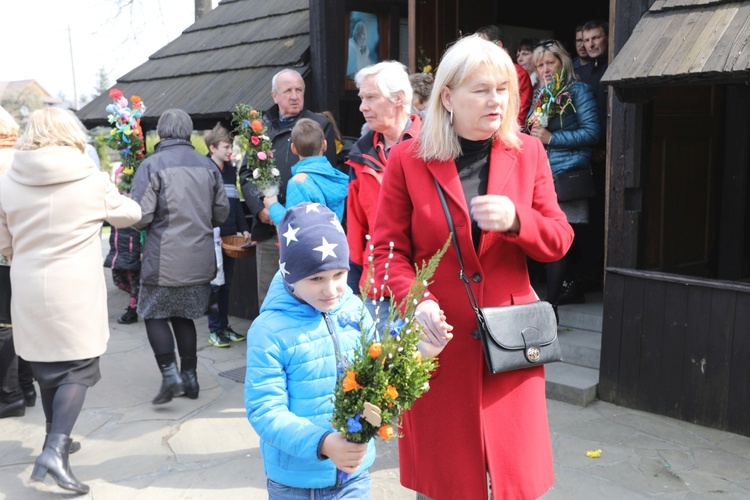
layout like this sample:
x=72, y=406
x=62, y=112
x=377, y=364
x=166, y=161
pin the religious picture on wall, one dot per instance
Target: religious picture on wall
x=363, y=42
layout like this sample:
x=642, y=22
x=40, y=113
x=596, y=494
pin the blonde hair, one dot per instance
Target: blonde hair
x=459, y=64
x=8, y=126
x=558, y=52
x=52, y=127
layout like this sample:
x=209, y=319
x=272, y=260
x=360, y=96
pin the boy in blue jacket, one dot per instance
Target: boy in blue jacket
x=297, y=349
x=314, y=179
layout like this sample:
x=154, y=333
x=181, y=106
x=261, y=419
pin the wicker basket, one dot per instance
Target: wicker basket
x=232, y=246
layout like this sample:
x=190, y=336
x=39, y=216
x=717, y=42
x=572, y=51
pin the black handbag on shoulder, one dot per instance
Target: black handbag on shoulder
x=513, y=337
x=576, y=184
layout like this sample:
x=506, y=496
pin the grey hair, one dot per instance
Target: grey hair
x=174, y=124
x=459, y=63
x=275, y=79
x=391, y=78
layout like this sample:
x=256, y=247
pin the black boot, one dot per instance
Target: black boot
x=171, y=384
x=29, y=394
x=74, y=446
x=189, y=376
x=14, y=409
x=130, y=317
x=54, y=459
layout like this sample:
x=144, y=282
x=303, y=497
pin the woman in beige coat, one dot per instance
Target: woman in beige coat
x=53, y=201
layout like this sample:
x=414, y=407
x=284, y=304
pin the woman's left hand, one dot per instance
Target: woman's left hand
x=541, y=133
x=495, y=213
x=246, y=235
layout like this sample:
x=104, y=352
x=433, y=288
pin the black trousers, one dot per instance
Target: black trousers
x=10, y=388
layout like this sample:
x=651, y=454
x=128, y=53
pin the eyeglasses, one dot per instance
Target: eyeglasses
x=547, y=43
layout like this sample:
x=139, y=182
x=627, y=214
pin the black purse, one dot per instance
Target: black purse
x=576, y=184
x=513, y=337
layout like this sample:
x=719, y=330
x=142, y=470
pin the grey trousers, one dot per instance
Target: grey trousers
x=267, y=265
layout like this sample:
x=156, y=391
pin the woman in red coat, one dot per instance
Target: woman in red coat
x=471, y=426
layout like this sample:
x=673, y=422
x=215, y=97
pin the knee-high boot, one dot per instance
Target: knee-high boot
x=188, y=366
x=171, y=384
x=54, y=460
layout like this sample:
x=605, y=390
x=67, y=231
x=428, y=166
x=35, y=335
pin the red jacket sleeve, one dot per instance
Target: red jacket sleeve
x=525, y=93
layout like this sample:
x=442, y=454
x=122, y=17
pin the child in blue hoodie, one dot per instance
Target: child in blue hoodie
x=297, y=348
x=314, y=179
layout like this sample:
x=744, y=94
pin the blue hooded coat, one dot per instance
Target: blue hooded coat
x=314, y=179
x=294, y=353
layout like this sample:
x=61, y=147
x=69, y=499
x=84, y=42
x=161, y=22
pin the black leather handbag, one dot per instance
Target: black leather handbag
x=5, y=295
x=513, y=337
x=577, y=184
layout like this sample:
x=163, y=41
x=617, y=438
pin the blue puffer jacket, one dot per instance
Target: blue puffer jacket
x=314, y=179
x=572, y=141
x=292, y=352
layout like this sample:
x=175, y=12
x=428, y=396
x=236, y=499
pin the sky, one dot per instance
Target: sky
x=36, y=46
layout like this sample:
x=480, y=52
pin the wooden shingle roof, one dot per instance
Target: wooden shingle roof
x=685, y=41
x=227, y=57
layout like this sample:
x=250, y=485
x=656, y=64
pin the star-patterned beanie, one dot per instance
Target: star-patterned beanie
x=311, y=240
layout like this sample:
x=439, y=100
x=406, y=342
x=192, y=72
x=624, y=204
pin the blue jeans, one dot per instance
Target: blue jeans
x=358, y=488
x=219, y=322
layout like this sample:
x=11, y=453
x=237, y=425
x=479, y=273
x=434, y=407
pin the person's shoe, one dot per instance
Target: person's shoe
x=54, y=460
x=233, y=336
x=217, y=339
x=74, y=445
x=130, y=317
x=171, y=384
x=29, y=395
x=14, y=409
x=571, y=293
x=190, y=381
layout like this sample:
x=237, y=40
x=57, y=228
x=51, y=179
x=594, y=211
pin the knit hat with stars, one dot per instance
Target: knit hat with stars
x=311, y=240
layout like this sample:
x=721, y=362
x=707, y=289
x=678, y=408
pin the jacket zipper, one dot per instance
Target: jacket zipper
x=337, y=353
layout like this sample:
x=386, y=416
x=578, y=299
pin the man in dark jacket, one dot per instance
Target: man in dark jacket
x=288, y=92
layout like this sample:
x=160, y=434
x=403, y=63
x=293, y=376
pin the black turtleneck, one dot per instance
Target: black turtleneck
x=473, y=170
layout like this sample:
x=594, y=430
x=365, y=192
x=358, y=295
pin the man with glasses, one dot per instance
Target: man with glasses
x=582, y=57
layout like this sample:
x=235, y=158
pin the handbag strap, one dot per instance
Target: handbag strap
x=461, y=274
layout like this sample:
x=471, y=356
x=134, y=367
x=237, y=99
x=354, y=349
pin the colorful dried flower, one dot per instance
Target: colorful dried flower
x=386, y=432
x=350, y=381
x=375, y=350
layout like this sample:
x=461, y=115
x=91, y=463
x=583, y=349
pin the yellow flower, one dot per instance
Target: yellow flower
x=128, y=171
x=594, y=453
x=391, y=392
x=427, y=69
x=350, y=382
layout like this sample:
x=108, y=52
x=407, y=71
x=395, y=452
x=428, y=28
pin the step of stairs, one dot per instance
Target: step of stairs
x=574, y=380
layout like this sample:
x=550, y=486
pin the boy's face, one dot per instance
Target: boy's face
x=222, y=152
x=322, y=290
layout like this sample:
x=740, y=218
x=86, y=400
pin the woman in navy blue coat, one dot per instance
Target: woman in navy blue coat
x=569, y=129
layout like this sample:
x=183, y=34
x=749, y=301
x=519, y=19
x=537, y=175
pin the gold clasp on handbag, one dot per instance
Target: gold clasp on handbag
x=533, y=354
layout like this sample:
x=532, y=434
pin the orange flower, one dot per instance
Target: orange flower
x=135, y=99
x=375, y=350
x=386, y=432
x=350, y=382
x=391, y=392
x=257, y=126
x=253, y=113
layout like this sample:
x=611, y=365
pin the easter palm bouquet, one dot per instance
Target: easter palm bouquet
x=553, y=100
x=388, y=372
x=126, y=135
x=257, y=147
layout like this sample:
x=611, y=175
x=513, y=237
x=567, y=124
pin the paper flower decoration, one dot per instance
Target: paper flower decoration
x=126, y=135
x=250, y=131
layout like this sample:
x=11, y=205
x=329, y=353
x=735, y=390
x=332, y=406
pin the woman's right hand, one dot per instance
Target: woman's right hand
x=436, y=330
